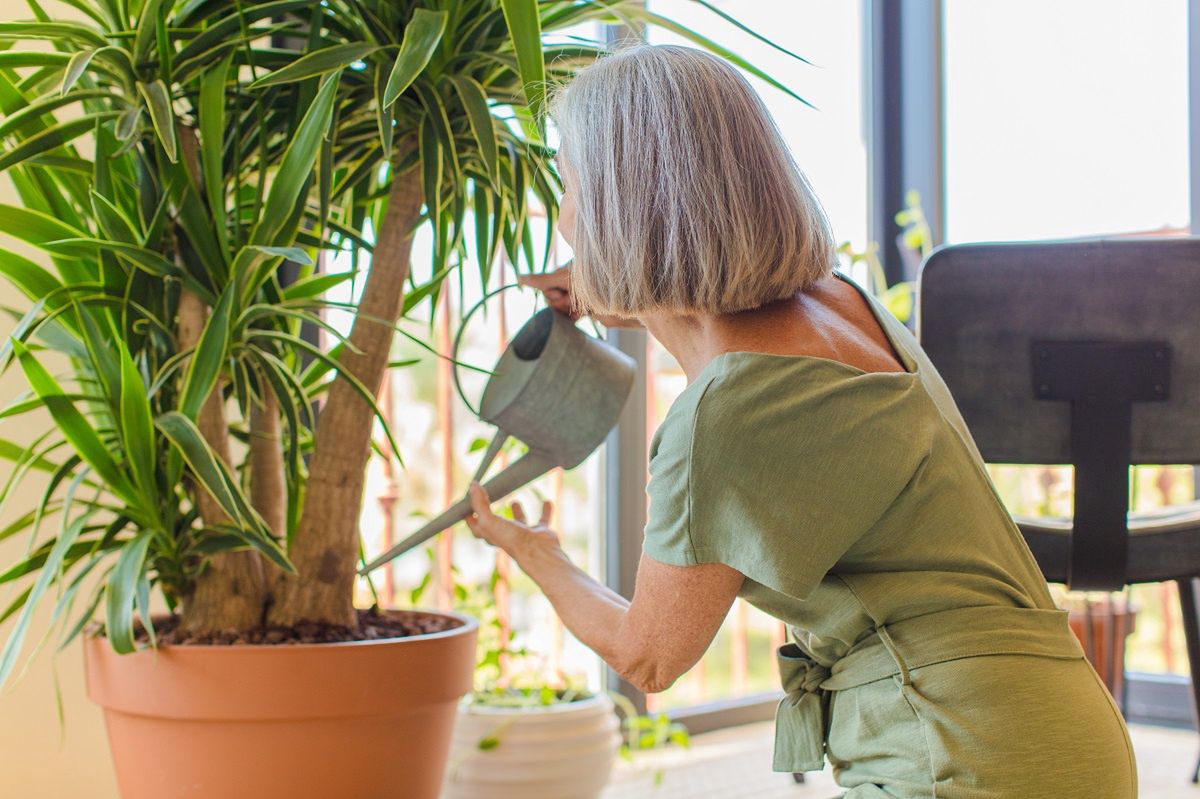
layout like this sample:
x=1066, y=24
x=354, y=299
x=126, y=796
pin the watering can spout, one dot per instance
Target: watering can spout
x=528, y=468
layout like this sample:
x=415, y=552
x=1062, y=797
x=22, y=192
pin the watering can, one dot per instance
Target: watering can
x=555, y=388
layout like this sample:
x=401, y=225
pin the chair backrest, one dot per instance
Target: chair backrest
x=982, y=307
x=1082, y=352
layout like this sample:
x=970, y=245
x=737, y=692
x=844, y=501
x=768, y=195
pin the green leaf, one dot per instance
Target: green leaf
x=77, y=66
x=38, y=559
x=49, y=573
x=85, y=617
x=483, y=124
x=296, y=169
x=640, y=13
x=104, y=364
x=421, y=38
x=320, y=62
x=15, y=60
x=263, y=543
x=158, y=101
x=127, y=125
x=296, y=254
x=52, y=138
x=120, y=591
x=328, y=359
x=73, y=424
x=204, y=463
x=315, y=285
x=732, y=20
x=31, y=119
x=143, y=608
x=113, y=223
x=148, y=22
x=144, y=259
x=52, y=31
x=431, y=165
x=414, y=297
x=212, y=139
x=204, y=367
x=525, y=31
x=34, y=227
x=137, y=426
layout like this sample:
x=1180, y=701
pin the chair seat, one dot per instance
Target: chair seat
x=1163, y=544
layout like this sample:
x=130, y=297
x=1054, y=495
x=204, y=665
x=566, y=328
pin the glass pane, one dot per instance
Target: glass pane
x=1065, y=119
x=828, y=145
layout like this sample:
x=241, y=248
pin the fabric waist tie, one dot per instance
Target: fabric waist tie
x=895, y=649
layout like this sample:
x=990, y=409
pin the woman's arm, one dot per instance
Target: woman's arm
x=651, y=640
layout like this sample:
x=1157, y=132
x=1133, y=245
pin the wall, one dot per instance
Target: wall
x=38, y=758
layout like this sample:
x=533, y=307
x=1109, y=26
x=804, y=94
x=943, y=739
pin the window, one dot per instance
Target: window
x=1065, y=119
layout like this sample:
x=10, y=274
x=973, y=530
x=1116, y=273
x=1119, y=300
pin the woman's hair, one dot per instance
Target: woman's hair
x=687, y=199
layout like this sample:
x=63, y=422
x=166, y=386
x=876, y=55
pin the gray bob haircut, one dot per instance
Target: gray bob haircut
x=687, y=198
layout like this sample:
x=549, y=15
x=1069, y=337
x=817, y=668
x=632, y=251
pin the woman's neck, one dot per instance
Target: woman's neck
x=690, y=339
x=695, y=340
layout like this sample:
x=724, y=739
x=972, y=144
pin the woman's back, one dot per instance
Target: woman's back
x=861, y=514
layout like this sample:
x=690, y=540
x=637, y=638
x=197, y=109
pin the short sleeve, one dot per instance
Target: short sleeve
x=778, y=470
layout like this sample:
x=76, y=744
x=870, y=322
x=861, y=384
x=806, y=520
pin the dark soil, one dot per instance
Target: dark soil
x=372, y=625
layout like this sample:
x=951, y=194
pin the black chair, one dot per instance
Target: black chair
x=1084, y=353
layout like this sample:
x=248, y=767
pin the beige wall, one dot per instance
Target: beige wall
x=38, y=758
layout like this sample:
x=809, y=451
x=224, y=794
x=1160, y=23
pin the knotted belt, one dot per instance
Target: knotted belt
x=892, y=650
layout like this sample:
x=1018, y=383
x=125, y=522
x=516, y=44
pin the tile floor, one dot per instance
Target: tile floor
x=736, y=764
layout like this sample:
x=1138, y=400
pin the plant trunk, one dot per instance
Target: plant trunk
x=268, y=485
x=325, y=547
x=229, y=593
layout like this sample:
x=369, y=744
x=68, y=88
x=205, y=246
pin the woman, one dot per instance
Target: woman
x=815, y=466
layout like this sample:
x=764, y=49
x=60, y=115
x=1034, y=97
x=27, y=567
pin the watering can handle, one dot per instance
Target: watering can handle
x=529, y=467
x=458, y=338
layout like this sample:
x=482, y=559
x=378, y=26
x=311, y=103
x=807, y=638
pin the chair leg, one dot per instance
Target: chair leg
x=1191, y=631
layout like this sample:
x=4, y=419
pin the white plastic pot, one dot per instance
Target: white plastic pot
x=563, y=751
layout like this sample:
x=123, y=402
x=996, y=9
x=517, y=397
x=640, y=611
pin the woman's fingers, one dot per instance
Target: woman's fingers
x=547, y=514
x=482, y=522
x=518, y=512
x=481, y=503
x=555, y=287
x=558, y=280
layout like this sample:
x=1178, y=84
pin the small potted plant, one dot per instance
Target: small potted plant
x=523, y=735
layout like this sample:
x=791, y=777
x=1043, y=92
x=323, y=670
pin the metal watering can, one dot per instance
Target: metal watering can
x=555, y=388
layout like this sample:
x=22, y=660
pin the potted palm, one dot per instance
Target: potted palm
x=175, y=161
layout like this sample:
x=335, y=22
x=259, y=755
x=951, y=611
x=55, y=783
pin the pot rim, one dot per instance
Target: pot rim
x=467, y=624
x=599, y=698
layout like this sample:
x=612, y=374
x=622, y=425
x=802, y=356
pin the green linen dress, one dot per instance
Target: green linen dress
x=927, y=656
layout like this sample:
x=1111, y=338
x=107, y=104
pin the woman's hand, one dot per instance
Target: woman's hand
x=515, y=537
x=556, y=287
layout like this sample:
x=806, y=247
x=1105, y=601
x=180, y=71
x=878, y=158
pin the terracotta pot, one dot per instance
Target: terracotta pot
x=563, y=751
x=1102, y=628
x=357, y=720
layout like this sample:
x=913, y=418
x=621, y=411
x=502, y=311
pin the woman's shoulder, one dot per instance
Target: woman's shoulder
x=737, y=388
x=755, y=406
